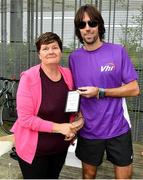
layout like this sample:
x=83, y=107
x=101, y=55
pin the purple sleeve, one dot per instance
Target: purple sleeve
x=128, y=70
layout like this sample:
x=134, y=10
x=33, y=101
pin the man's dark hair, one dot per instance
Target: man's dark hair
x=47, y=38
x=94, y=14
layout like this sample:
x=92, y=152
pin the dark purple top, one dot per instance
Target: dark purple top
x=52, y=108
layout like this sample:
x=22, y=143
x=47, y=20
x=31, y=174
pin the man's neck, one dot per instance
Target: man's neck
x=92, y=47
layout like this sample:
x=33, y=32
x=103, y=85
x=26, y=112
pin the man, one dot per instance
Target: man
x=104, y=75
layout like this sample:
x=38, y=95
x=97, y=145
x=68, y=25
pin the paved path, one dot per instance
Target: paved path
x=9, y=168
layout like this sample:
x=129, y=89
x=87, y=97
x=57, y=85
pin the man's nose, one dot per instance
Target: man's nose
x=87, y=26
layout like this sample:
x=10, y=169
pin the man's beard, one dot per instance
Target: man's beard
x=94, y=40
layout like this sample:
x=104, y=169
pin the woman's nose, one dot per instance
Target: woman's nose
x=50, y=50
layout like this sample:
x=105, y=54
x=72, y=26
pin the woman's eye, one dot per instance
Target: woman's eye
x=45, y=49
x=55, y=47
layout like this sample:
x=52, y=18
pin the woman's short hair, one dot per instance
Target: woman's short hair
x=47, y=38
x=94, y=14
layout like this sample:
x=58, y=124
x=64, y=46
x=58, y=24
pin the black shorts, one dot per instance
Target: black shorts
x=119, y=150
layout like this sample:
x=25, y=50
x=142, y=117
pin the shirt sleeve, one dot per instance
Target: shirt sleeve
x=128, y=70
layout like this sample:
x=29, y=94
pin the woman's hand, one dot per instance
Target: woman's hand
x=70, y=137
x=67, y=129
x=78, y=124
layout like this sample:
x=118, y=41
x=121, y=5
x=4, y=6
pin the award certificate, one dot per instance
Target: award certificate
x=72, y=103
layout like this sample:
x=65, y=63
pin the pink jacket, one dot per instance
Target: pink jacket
x=28, y=124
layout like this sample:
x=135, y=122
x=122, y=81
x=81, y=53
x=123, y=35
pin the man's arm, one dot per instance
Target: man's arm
x=127, y=90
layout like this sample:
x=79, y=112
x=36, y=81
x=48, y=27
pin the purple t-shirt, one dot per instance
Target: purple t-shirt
x=106, y=67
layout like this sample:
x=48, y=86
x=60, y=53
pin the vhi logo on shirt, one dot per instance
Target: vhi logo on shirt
x=108, y=67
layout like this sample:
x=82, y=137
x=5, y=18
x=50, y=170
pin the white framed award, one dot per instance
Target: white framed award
x=72, y=103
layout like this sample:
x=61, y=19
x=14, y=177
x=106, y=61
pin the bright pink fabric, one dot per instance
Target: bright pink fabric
x=28, y=125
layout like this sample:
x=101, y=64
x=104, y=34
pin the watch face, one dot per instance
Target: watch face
x=101, y=92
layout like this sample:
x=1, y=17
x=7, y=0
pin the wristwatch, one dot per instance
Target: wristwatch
x=101, y=93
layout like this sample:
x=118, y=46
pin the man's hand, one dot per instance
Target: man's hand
x=78, y=123
x=88, y=91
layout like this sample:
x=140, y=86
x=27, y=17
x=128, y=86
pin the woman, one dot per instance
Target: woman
x=43, y=132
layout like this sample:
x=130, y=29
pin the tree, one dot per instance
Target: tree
x=134, y=36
